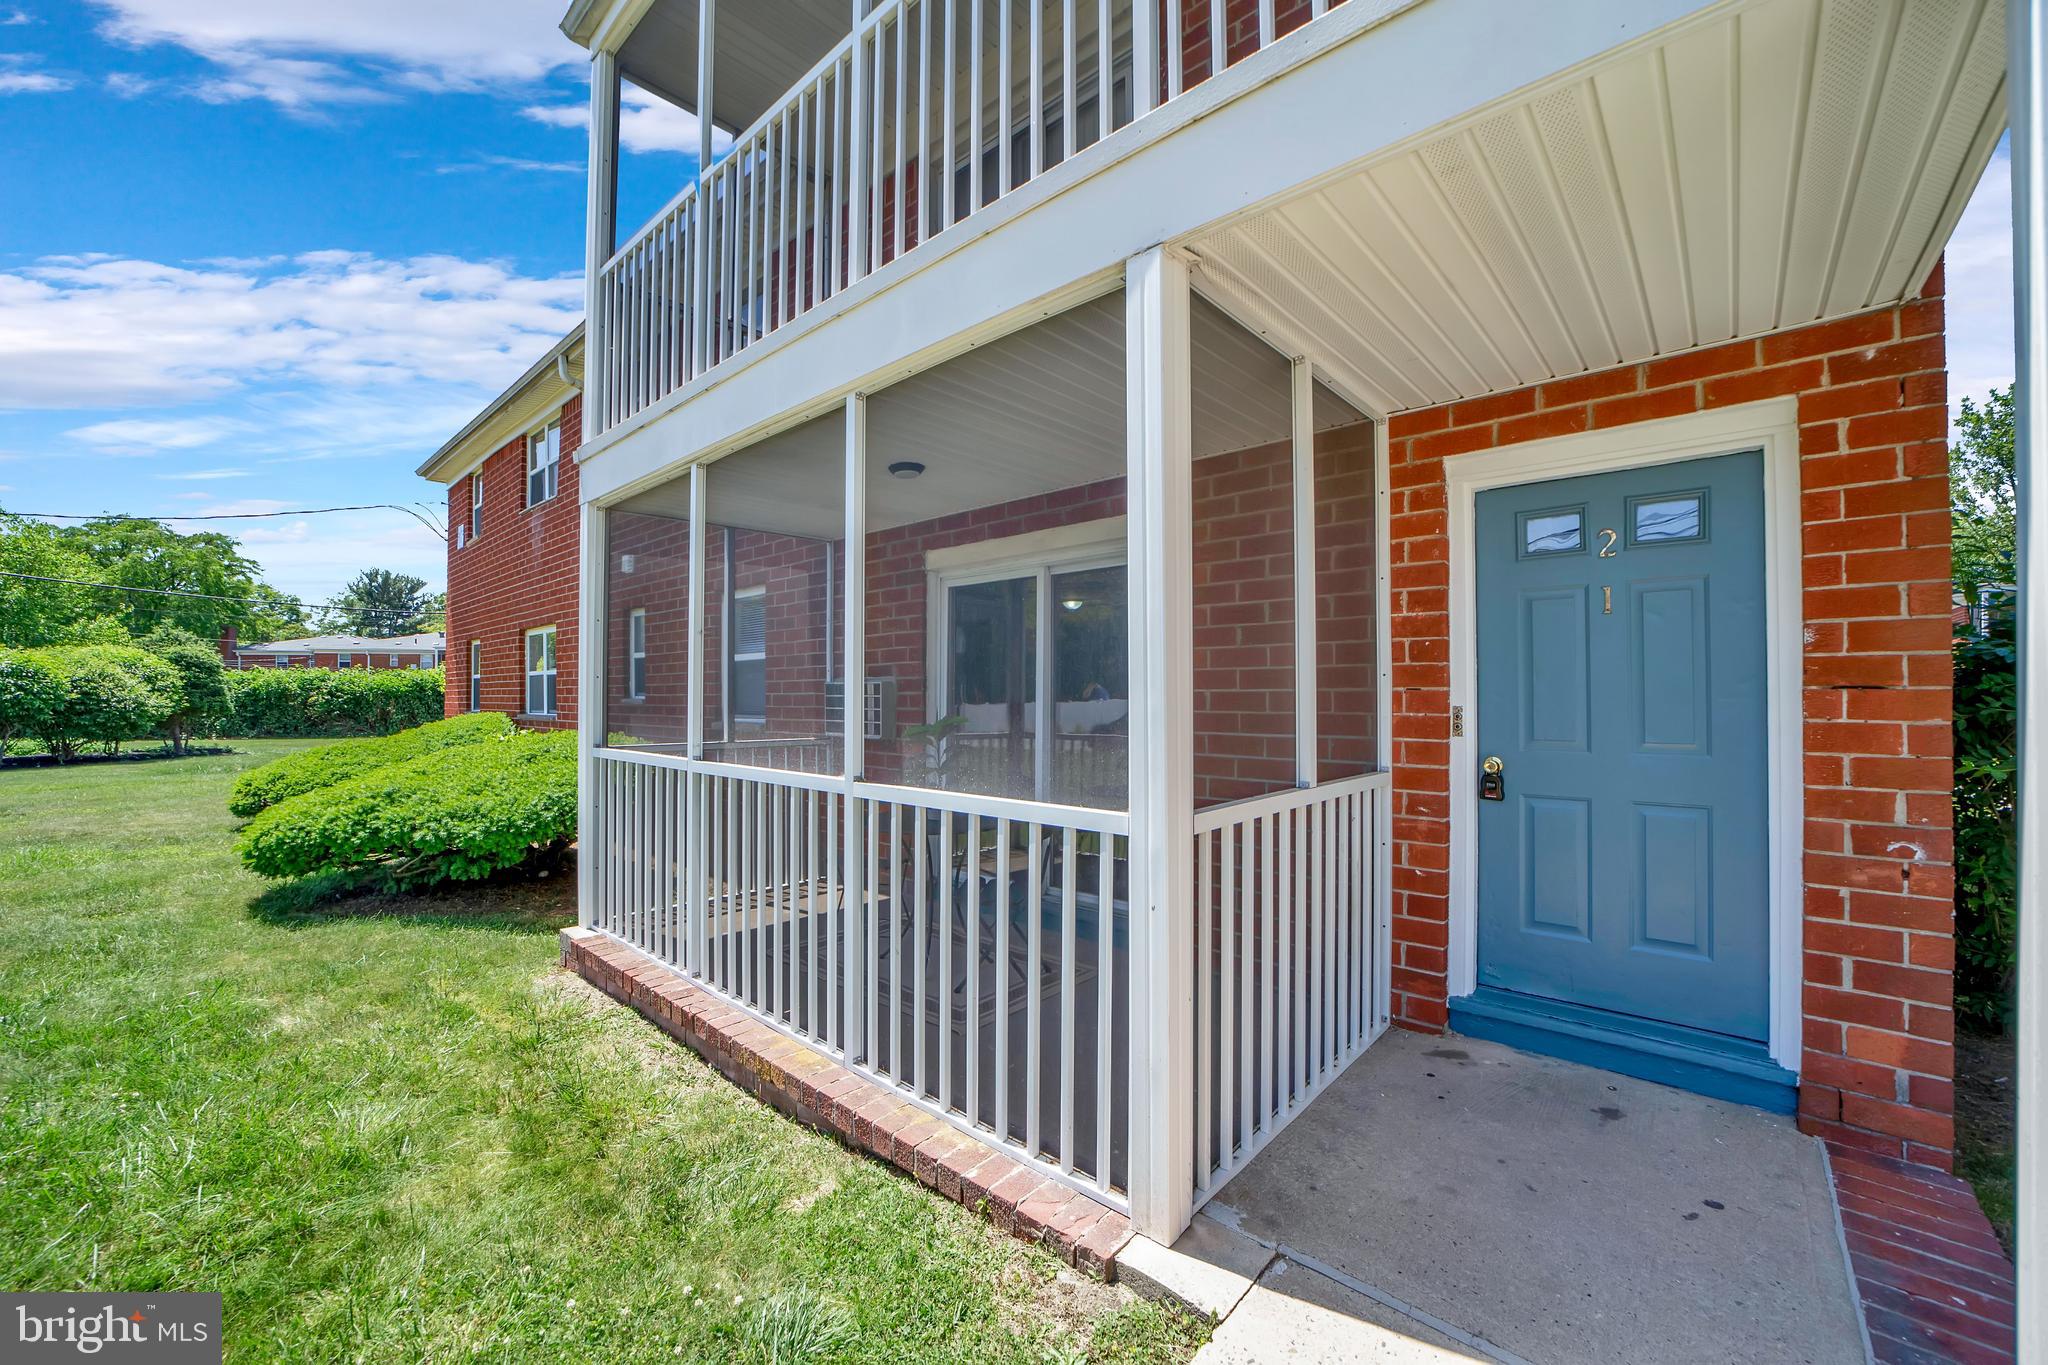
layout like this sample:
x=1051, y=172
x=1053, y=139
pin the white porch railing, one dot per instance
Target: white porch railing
x=927, y=112
x=1287, y=924
x=970, y=951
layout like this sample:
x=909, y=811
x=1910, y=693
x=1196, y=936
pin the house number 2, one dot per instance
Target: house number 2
x=1607, y=539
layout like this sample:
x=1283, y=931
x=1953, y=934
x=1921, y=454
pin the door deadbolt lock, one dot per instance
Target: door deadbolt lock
x=1492, y=786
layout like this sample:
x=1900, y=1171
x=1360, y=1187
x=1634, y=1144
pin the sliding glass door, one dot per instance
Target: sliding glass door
x=1024, y=720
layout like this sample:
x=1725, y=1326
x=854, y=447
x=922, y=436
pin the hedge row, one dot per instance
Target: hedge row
x=310, y=769
x=456, y=814
x=1986, y=811
x=297, y=702
x=68, y=696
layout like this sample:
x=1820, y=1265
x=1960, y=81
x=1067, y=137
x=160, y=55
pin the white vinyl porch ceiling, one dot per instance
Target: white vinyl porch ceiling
x=1032, y=412
x=1760, y=166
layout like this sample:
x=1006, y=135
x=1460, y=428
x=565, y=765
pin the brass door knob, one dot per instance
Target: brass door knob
x=1493, y=765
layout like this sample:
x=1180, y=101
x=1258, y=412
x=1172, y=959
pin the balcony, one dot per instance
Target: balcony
x=904, y=130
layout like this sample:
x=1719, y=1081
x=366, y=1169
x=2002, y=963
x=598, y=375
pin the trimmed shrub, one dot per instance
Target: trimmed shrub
x=31, y=691
x=455, y=815
x=111, y=693
x=310, y=769
x=1987, y=799
x=202, y=684
x=301, y=702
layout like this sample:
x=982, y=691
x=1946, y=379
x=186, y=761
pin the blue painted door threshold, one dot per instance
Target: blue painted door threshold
x=1686, y=1059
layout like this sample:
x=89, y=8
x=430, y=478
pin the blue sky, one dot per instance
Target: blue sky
x=276, y=252
x=276, y=256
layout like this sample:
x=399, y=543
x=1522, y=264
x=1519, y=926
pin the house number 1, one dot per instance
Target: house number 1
x=1607, y=539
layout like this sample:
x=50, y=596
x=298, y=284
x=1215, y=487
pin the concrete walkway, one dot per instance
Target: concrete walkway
x=1450, y=1198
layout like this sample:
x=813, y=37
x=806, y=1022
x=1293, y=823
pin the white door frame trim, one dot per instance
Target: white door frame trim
x=1771, y=426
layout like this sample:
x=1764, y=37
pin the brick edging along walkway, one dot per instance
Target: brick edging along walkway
x=869, y=1117
x=1933, y=1282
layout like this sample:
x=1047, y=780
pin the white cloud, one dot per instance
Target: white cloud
x=100, y=331
x=304, y=56
x=207, y=475
x=511, y=163
x=31, y=83
x=10, y=18
x=17, y=77
x=1979, y=280
x=314, y=557
x=144, y=436
x=647, y=123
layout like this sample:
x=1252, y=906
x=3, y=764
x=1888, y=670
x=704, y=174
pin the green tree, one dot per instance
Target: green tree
x=380, y=602
x=203, y=699
x=111, y=693
x=131, y=553
x=33, y=611
x=1983, y=493
x=31, y=691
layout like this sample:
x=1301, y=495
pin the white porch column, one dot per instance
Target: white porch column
x=590, y=689
x=1160, y=504
x=2027, y=87
x=600, y=234
x=1303, y=483
x=858, y=167
x=1145, y=59
x=707, y=69
x=693, y=728
x=853, y=708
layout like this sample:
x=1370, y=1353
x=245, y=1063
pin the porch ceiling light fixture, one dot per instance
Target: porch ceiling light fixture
x=1072, y=603
x=906, y=469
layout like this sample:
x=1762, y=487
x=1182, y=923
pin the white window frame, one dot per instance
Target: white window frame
x=548, y=677
x=476, y=506
x=344, y=661
x=636, y=654
x=1075, y=548
x=476, y=675
x=544, y=461
x=733, y=656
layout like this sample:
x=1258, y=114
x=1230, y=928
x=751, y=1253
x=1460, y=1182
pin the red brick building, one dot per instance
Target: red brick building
x=512, y=547
x=336, y=651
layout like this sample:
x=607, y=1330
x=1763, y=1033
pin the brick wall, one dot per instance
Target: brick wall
x=1871, y=389
x=518, y=574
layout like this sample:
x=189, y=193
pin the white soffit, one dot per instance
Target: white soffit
x=1772, y=164
x=1038, y=410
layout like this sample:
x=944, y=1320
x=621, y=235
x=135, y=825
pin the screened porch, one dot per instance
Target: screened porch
x=1069, y=773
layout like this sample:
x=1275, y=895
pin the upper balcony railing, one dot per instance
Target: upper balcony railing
x=929, y=111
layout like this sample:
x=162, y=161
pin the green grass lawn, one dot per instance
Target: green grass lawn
x=394, y=1130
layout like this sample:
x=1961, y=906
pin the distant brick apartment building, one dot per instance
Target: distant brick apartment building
x=422, y=650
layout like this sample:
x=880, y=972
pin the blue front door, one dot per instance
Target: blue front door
x=1621, y=687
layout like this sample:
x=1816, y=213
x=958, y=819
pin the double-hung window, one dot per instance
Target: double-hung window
x=636, y=654
x=476, y=505
x=344, y=660
x=476, y=675
x=543, y=462
x=540, y=671
x=749, y=660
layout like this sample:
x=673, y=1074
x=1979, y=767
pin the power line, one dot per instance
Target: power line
x=277, y=601
x=235, y=516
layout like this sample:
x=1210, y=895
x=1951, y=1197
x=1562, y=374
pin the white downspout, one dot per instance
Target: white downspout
x=2027, y=89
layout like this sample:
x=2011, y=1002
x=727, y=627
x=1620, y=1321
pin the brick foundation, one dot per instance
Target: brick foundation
x=867, y=1116
x=1872, y=398
x=1931, y=1279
